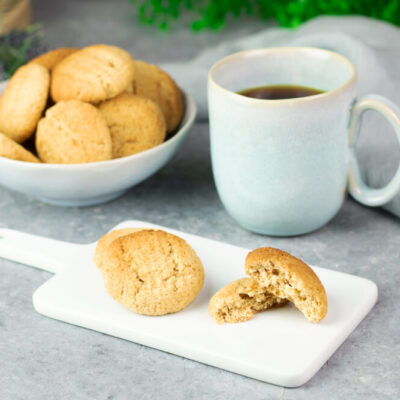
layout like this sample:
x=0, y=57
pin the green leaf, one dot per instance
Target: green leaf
x=212, y=14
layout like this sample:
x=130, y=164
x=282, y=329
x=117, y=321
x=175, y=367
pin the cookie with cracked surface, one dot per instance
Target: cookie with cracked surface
x=73, y=132
x=13, y=150
x=152, y=272
x=136, y=124
x=23, y=102
x=240, y=300
x=93, y=74
x=155, y=84
x=288, y=277
x=50, y=59
x=106, y=240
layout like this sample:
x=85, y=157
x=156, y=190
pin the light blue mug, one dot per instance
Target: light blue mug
x=281, y=166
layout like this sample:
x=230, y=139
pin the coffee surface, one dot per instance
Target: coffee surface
x=279, y=92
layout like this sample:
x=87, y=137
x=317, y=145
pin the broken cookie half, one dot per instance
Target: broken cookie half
x=289, y=277
x=240, y=300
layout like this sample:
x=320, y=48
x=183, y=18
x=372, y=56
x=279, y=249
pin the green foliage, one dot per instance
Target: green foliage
x=19, y=46
x=212, y=14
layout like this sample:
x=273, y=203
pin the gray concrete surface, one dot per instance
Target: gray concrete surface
x=41, y=358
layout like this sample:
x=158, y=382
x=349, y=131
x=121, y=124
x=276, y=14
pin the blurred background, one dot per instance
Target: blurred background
x=151, y=28
x=79, y=23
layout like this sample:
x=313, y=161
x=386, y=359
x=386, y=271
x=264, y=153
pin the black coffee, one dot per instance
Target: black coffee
x=279, y=92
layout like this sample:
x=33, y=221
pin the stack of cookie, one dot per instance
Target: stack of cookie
x=151, y=272
x=276, y=277
x=87, y=105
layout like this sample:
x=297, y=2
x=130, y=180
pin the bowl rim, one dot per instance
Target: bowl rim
x=187, y=120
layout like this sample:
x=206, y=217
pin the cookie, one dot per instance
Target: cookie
x=50, y=59
x=240, y=300
x=13, y=150
x=152, y=272
x=93, y=74
x=288, y=277
x=73, y=132
x=106, y=240
x=23, y=102
x=136, y=124
x=155, y=84
x=129, y=89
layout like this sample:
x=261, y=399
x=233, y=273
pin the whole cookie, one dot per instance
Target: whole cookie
x=13, y=150
x=288, y=277
x=106, y=240
x=50, y=59
x=23, y=102
x=73, y=132
x=240, y=300
x=136, y=124
x=155, y=84
x=93, y=74
x=152, y=272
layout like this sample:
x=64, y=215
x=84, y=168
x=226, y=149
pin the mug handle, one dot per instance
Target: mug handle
x=357, y=188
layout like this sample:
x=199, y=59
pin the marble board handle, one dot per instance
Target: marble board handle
x=36, y=251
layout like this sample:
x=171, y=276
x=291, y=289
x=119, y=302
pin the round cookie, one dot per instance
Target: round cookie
x=73, y=132
x=288, y=277
x=240, y=300
x=155, y=84
x=23, y=101
x=152, y=272
x=93, y=74
x=106, y=240
x=136, y=124
x=13, y=150
x=50, y=59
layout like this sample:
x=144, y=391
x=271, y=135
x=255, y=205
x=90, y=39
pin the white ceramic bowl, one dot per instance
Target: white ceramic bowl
x=92, y=183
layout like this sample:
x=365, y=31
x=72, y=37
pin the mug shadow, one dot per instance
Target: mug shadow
x=359, y=218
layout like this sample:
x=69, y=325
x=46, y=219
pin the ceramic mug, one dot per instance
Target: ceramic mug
x=281, y=166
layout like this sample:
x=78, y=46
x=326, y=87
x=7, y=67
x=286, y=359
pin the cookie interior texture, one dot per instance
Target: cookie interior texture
x=152, y=272
x=240, y=300
x=288, y=277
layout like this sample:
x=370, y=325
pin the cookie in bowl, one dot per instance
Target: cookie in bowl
x=73, y=132
x=14, y=151
x=152, y=82
x=50, y=59
x=23, y=102
x=136, y=124
x=93, y=74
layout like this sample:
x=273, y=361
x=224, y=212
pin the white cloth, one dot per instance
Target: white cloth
x=372, y=46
